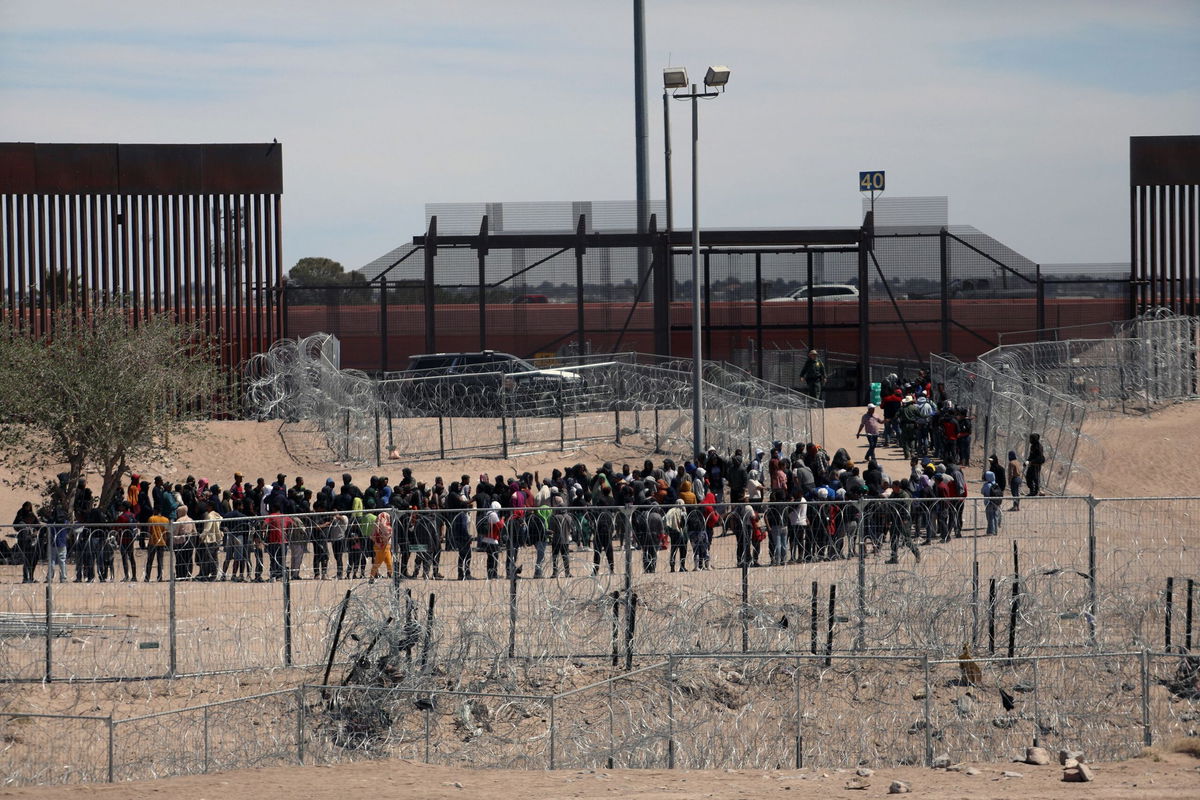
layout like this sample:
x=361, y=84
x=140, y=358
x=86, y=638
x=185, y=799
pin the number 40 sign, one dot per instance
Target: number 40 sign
x=871, y=181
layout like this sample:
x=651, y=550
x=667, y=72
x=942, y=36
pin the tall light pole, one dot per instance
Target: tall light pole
x=667, y=156
x=675, y=78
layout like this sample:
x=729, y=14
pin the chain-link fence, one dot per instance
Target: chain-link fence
x=704, y=711
x=497, y=276
x=601, y=583
x=1140, y=365
x=1049, y=387
x=504, y=407
x=1009, y=406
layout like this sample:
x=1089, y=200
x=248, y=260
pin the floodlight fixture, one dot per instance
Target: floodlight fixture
x=675, y=78
x=717, y=77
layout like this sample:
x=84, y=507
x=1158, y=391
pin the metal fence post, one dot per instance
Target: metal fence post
x=1015, y=603
x=1147, y=736
x=287, y=607
x=745, y=611
x=975, y=604
x=830, y=621
x=426, y=712
x=1092, y=603
x=378, y=444
x=553, y=732
x=207, y=745
x=799, y=728
x=512, y=596
x=860, y=636
x=1168, y=613
x=612, y=744
x=1037, y=704
x=112, y=749
x=670, y=712
x=813, y=623
x=927, y=714
x=172, y=618
x=628, y=546
x=51, y=532
x=503, y=432
x=300, y=724
x=617, y=407
x=1187, y=616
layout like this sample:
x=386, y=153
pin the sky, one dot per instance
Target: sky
x=1020, y=112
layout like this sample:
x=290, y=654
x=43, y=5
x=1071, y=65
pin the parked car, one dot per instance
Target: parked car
x=821, y=292
x=485, y=383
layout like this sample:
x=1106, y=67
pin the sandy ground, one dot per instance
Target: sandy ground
x=1127, y=453
x=1130, y=456
x=1170, y=776
x=1122, y=456
x=257, y=449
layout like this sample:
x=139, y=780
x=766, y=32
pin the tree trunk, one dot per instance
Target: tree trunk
x=111, y=485
x=73, y=475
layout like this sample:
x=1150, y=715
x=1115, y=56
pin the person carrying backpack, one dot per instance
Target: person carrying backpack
x=909, y=421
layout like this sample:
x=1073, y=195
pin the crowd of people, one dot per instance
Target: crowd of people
x=780, y=506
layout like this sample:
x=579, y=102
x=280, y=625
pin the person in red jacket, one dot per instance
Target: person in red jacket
x=949, y=424
x=277, y=525
x=891, y=403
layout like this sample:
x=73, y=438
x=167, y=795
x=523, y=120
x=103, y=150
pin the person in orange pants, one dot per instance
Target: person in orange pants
x=381, y=537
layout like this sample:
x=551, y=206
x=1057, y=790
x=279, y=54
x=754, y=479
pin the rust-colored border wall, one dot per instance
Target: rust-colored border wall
x=187, y=230
x=27, y=168
x=1164, y=181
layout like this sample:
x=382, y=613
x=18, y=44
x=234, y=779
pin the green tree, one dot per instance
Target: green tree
x=96, y=396
x=316, y=280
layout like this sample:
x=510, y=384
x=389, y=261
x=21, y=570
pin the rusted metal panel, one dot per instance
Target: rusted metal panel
x=72, y=168
x=31, y=168
x=161, y=168
x=1164, y=160
x=242, y=168
x=18, y=168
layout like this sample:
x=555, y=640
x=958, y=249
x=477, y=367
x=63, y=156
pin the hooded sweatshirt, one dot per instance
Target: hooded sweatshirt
x=1014, y=469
